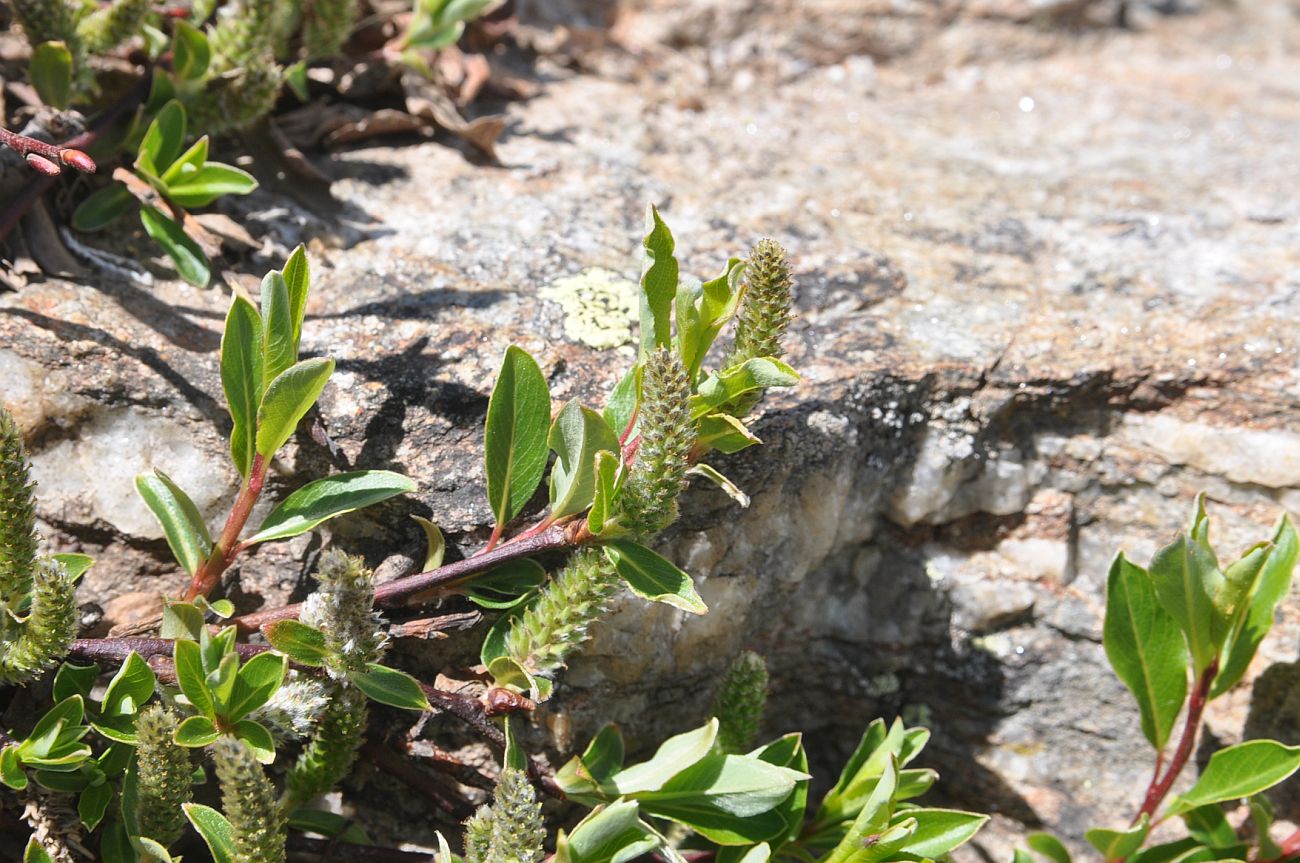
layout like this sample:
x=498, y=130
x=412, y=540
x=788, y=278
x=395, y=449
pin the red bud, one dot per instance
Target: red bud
x=78, y=160
x=44, y=165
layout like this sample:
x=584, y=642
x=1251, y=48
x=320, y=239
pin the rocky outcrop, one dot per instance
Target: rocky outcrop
x=1044, y=298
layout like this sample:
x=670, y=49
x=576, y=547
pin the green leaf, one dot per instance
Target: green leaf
x=724, y=433
x=181, y=522
x=1119, y=844
x=279, y=350
x=621, y=406
x=302, y=643
x=191, y=678
x=674, y=755
x=195, y=731
x=702, y=310
x=1272, y=583
x=34, y=853
x=758, y=373
x=1186, y=579
x=939, y=831
x=598, y=763
x=1049, y=846
x=191, y=263
x=115, y=844
x=1239, y=771
x=201, y=187
x=653, y=577
x=51, y=74
x=1146, y=648
x=390, y=686
x=435, y=544
x=609, y=481
x=241, y=377
x=297, y=278
x=518, y=419
x=871, y=820
x=256, y=682
x=788, y=751
x=329, y=824
x=1209, y=826
x=102, y=208
x=713, y=475
x=11, y=769
x=576, y=436
x=181, y=620
x=48, y=729
x=658, y=283
x=327, y=498
x=191, y=160
x=74, y=565
x=130, y=688
x=72, y=680
x=190, y=51
x=258, y=739
x=152, y=850
x=1261, y=813
x=610, y=834
x=287, y=400
x=296, y=77
x=162, y=141
x=215, y=830
x=507, y=585
x=723, y=796
x=862, y=772
x=93, y=803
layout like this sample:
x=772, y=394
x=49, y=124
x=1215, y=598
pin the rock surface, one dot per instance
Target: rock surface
x=1047, y=282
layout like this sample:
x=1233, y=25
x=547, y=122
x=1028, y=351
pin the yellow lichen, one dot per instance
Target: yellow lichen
x=599, y=307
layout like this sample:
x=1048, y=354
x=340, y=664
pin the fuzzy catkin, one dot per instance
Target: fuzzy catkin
x=18, y=537
x=326, y=25
x=110, y=26
x=257, y=822
x=333, y=747
x=49, y=629
x=511, y=829
x=765, y=308
x=165, y=773
x=648, y=502
x=740, y=703
x=47, y=20
x=341, y=608
x=558, y=622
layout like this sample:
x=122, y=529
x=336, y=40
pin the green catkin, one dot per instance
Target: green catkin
x=648, y=501
x=511, y=829
x=333, y=748
x=341, y=608
x=258, y=824
x=47, y=20
x=740, y=703
x=244, y=32
x=326, y=25
x=478, y=835
x=765, y=308
x=558, y=622
x=165, y=774
x=44, y=637
x=18, y=537
x=110, y=26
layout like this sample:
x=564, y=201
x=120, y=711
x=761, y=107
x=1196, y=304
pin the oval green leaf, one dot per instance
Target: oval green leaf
x=576, y=436
x=1239, y=771
x=653, y=577
x=195, y=731
x=102, y=208
x=190, y=51
x=518, y=419
x=191, y=263
x=51, y=73
x=302, y=643
x=241, y=377
x=256, y=682
x=181, y=522
x=390, y=686
x=287, y=400
x=215, y=830
x=329, y=497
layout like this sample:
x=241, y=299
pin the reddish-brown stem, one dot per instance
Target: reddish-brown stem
x=631, y=424
x=16, y=206
x=228, y=546
x=1160, y=785
x=398, y=591
x=494, y=538
x=49, y=158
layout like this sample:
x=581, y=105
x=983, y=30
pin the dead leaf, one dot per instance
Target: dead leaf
x=232, y=234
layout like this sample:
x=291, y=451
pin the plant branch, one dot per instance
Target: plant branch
x=412, y=589
x=224, y=552
x=17, y=206
x=49, y=159
x=408, y=774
